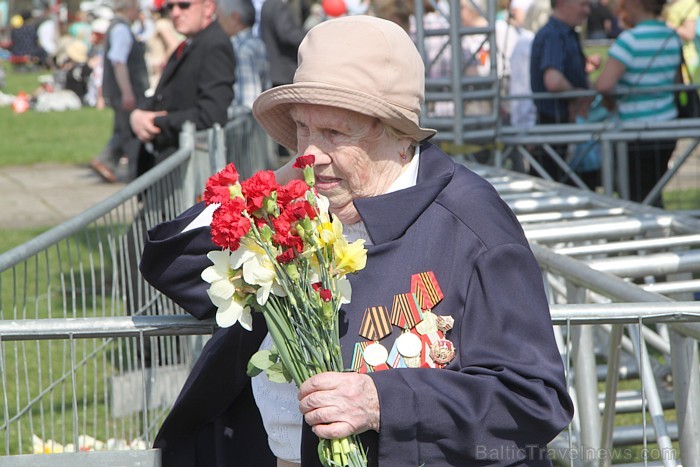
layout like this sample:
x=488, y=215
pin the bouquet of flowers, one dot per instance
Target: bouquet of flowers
x=282, y=254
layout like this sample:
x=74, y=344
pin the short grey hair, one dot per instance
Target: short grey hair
x=244, y=8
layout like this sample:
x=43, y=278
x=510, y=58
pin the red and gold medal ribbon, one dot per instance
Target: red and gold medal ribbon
x=426, y=288
x=375, y=323
x=405, y=312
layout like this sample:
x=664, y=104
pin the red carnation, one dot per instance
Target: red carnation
x=228, y=225
x=281, y=225
x=298, y=211
x=289, y=240
x=217, y=188
x=310, y=211
x=293, y=190
x=325, y=294
x=257, y=188
x=304, y=161
x=286, y=256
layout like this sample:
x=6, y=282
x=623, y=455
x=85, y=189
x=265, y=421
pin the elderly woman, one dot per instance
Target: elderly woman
x=501, y=396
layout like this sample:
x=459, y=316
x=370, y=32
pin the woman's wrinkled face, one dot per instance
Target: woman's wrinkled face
x=355, y=156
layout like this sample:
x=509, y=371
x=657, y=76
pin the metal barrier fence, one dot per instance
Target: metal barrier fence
x=111, y=390
x=86, y=268
x=92, y=357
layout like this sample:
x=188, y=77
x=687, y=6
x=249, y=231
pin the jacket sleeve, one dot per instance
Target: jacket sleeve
x=172, y=262
x=503, y=397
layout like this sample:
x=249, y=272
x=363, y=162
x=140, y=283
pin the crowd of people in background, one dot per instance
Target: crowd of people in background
x=265, y=36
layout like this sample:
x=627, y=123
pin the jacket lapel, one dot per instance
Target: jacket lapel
x=387, y=217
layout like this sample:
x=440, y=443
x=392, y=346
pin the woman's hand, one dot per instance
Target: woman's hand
x=337, y=405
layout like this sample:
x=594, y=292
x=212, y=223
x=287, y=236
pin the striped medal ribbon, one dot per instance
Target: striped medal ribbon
x=374, y=327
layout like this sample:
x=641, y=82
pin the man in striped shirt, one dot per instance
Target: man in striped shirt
x=645, y=57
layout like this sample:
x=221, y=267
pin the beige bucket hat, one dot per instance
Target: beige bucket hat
x=359, y=63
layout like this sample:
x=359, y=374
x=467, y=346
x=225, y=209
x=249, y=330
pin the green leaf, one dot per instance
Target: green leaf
x=278, y=373
x=261, y=361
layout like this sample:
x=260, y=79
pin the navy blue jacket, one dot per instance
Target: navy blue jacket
x=500, y=400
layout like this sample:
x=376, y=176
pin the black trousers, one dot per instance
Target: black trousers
x=647, y=163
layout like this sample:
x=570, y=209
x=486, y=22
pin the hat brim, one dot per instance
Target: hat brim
x=272, y=107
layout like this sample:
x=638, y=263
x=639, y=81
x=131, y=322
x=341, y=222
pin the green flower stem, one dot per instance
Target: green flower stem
x=283, y=337
x=307, y=342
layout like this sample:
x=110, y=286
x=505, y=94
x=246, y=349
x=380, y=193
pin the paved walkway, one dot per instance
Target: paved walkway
x=44, y=195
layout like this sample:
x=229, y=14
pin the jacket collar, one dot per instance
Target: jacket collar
x=388, y=216
x=173, y=62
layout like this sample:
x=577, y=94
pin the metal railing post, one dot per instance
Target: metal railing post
x=585, y=378
x=614, y=350
x=586, y=384
x=686, y=392
x=607, y=167
x=651, y=392
x=187, y=140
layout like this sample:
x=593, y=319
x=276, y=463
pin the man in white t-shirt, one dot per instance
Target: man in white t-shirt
x=124, y=83
x=47, y=35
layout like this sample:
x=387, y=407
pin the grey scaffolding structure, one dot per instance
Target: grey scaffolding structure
x=511, y=146
x=635, y=265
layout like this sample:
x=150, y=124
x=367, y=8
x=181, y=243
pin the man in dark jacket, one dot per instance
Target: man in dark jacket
x=282, y=34
x=196, y=84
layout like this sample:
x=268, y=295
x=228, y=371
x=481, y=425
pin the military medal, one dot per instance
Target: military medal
x=375, y=326
x=426, y=288
x=409, y=345
x=413, y=362
x=405, y=311
x=375, y=354
x=429, y=323
x=442, y=351
x=445, y=323
x=396, y=360
x=422, y=343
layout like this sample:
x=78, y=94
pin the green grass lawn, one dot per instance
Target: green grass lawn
x=71, y=137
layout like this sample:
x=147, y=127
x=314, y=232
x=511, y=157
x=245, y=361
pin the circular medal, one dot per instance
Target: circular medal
x=429, y=323
x=412, y=362
x=408, y=345
x=442, y=351
x=375, y=354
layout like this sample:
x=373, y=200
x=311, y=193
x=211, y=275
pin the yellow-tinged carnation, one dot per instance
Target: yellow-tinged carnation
x=350, y=257
x=258, y=269
x=330, y=232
